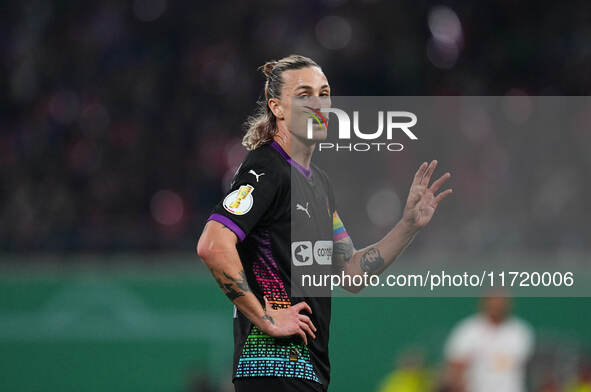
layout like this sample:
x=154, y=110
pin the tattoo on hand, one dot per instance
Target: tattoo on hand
x=372, y=261
x=269, y=319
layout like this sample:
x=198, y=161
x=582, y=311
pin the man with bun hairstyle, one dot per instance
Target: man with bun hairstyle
x=281, y=341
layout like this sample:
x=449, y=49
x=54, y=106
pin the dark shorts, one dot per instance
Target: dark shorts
x=276, y=384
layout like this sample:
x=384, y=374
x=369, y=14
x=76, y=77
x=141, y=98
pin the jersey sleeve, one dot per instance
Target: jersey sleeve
x=251, y=196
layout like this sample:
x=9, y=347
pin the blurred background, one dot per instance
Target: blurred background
x=120, y=129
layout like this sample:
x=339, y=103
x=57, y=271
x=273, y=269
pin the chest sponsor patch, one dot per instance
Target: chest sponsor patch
x=305, y=253
x=323, y=252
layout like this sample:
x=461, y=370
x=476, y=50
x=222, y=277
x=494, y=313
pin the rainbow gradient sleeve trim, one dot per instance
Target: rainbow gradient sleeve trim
x=338, y=229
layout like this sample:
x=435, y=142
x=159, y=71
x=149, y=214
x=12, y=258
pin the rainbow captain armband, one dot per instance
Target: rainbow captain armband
x=338, y=229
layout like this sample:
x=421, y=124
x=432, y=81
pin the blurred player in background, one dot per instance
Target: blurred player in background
x=409, y=374
x=489, y=351
x=281, y=341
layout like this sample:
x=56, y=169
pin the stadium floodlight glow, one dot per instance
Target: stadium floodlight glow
x=345, y=124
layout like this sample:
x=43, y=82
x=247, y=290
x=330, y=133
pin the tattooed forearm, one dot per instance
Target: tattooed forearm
x=240, y=281
x=237, y=287
x=342, y=252
x=229, y=290
x=371, y=261
x=231, y=293
x=343, y=249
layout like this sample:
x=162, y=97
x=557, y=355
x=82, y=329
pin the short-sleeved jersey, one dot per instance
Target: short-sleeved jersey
x=282, y=215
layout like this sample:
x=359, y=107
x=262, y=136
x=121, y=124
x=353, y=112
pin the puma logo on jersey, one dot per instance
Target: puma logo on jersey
x=300, y=207
x=255, y=174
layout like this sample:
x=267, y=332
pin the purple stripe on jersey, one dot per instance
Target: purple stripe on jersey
x=306, y=172
x=224, y=220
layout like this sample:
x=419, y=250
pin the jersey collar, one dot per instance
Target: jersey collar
x=306, y=172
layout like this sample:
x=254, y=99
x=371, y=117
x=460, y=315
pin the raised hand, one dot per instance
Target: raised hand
x=288, y=321
x=422, y=201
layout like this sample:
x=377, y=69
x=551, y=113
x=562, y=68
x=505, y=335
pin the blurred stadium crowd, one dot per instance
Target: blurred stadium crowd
x=121, y=121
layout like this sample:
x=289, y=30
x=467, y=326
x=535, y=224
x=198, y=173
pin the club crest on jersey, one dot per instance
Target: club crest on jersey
x=240, y=201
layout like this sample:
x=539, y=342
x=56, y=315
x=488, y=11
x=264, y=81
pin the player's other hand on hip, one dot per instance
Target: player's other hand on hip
x=422, y=199
x=287, y=322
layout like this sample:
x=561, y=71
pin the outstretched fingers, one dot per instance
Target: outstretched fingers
x=443, y=195
x=428, y=173
x=419, y=174
x=440, y=181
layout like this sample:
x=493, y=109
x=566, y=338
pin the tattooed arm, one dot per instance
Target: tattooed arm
x=217, y=249
x=373, y=259
x=418, y=211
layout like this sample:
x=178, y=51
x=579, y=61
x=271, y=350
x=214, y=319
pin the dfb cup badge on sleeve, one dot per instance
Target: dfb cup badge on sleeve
x=240, y=201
